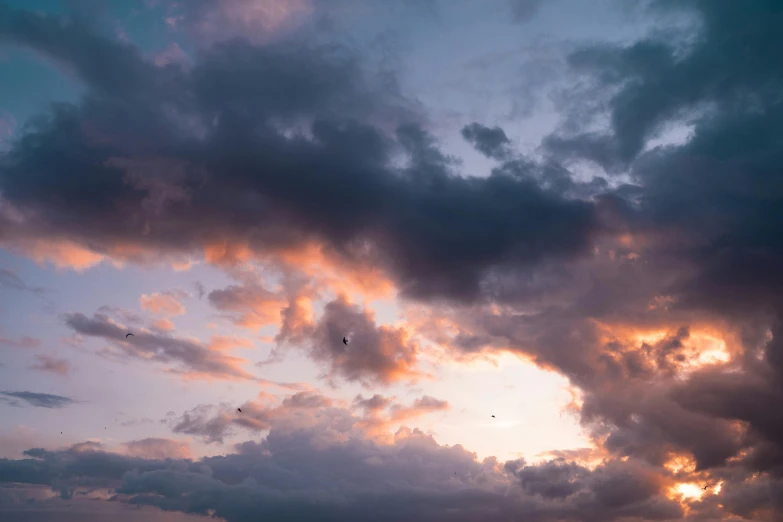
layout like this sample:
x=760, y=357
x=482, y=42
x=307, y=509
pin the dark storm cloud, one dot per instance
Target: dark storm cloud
x=38, y=400
x=491, y=142
x=703, y=219
x=171, y=159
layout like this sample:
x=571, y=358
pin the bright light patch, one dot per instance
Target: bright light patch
x=710, y=349
x=650, y=338
x=688, y=491
x=680, y=463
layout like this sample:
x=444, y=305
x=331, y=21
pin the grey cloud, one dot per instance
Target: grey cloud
x=38, y=400
x=215, y=423
x=121, y=313
x=200, y=290
x=524, y=10
x=9, y=279
x=411, y=478
x=240, y=175
x=190, y=356
x=492, y=142
x=380, y=354
x=375, y=403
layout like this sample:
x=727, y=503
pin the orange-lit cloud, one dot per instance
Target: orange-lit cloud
x=60, y=253
x=163, y=324
x=374, y=353
x=221, y=343
x=157, y=448
x=161, y=304
x=252, y=306
x=382, y=413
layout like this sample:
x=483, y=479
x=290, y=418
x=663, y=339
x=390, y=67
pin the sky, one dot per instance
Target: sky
x=548, y=231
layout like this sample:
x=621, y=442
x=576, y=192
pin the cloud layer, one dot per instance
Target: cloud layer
x=654, y=287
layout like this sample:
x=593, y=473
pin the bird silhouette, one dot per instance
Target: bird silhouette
x=345, y=341
x=493, y=416
x=239, y=410
x=126, y=335
x=705, y=488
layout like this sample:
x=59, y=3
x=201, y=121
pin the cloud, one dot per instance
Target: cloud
x=51, y=365
x=410, y=477
x=254, y=306
x=491, y=142
x=221, y=342
x=161, y=304
x=151, y=198
x=200, y=290
x=382, y=413
x=9, y=279
x=121, y=314
x=257, y=20
x=190, y=356
x=38, y=400
x=374, y=354
x=421, y=406
x=156, y=448
x=162, y=325
x=23, y=342
x=524, y=10
x=654, y=287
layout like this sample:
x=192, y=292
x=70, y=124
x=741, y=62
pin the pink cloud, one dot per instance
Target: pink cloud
x=161, y=304
x=51, y=365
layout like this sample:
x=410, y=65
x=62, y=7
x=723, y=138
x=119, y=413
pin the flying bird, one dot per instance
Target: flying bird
x=126, y=335
x=493, y=416
x=705, y=488
x=239, y=410
x=345, y=341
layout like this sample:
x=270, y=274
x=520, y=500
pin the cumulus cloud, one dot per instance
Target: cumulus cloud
x=380, y=354
x=412, y=476
x=655, y=287
x=304, y=409
x=243, y=191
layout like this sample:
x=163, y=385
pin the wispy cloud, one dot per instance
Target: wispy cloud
x=38, y=400
x=52, y=365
